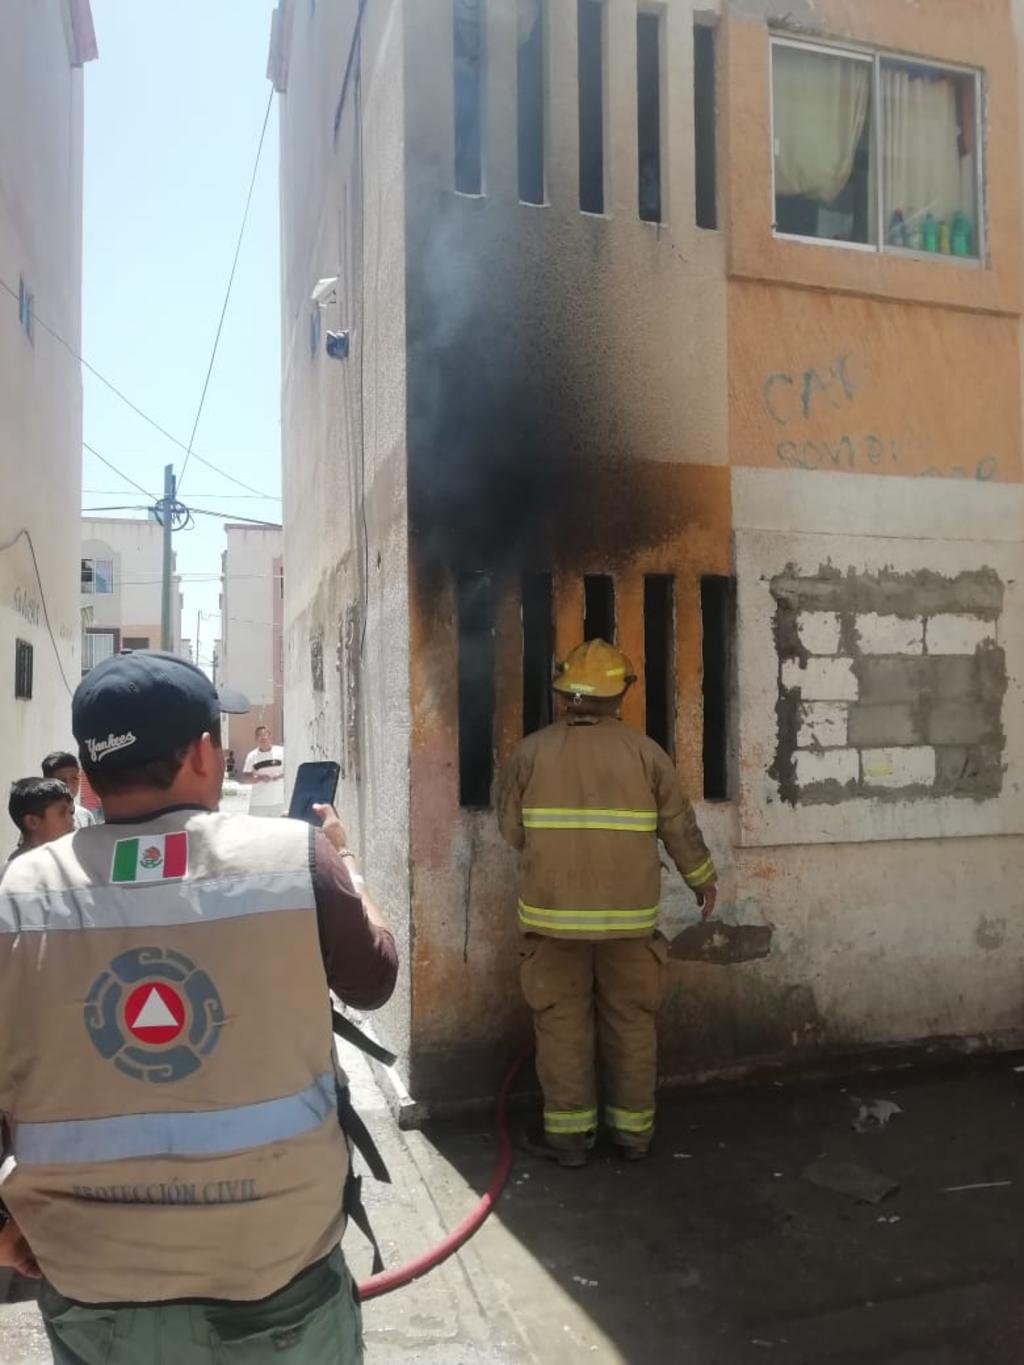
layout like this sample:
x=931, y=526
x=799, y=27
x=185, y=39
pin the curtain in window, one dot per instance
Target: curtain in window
x=819, y=107
x=921, y=165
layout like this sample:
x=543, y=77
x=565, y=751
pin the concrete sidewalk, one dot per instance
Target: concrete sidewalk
x=718, y=1251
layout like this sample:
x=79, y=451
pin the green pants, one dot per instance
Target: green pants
x=315, y=1320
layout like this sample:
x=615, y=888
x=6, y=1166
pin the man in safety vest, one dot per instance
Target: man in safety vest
x=586, y=801
x=168, y=1092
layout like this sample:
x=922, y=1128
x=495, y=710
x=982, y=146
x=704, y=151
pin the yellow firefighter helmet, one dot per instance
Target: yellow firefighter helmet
x=594, y=669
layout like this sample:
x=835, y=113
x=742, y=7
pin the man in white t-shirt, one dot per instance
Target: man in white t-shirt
x=264, y=772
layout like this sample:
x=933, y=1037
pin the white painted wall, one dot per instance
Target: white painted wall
x=250, y=649
x=40, y=383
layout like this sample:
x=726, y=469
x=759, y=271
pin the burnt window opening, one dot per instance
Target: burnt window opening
x=468, y=88
x=648, y=100
x=718, y=616
x=531, y=101
x=659, y=659
x=590, y=58
x=599, y=607
x=538, y=650
x=23, y=669
x=476, y=688
x=704, y=125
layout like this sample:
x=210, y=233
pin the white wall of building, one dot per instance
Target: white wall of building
x=43, y=46
x=251, y=616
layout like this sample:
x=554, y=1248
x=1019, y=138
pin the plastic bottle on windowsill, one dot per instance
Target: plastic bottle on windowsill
x=930, y=233
x=897, y=229
x=960, y=238
x=944, y=238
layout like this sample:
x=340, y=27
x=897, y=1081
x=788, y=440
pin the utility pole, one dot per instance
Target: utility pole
x=199, y=617
x=167, y=519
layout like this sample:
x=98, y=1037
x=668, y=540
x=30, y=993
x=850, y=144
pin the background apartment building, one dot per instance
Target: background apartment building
x=121, y=586
x=697, y=327
x=46, y=43
x=249, y=654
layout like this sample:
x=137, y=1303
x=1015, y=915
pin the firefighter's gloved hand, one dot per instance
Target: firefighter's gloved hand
x=332, y=826
x=707, y=901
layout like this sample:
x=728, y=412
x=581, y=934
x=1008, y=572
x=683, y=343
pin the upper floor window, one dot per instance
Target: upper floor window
x=876, y=152
x=97, y=575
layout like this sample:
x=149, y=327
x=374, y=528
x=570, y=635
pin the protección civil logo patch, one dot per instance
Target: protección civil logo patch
x=154, y=1014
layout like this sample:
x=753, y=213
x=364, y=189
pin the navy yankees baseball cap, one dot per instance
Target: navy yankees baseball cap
x=142, y=705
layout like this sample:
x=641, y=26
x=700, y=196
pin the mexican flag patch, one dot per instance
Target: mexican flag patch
x=155, y=858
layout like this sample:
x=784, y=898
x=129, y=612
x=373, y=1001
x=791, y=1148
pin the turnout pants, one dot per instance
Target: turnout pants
x=594, y=998
x=315, y=1320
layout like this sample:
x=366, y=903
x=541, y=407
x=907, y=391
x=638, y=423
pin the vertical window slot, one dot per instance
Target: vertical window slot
x=531, y=101
x=717, y=607
x=648, y=97
x=599, y=607
x=704, y=125
x=476, y=688
x=590, y=57
x=468, y=46
x=659, y=659
x=538, y=650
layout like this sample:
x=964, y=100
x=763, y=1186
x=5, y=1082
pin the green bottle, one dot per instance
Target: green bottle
x=930, y=234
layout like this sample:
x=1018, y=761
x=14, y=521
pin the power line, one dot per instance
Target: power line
x=119, y=472
x=51, y=331
x=227, y=292
x=7, y=545
x=240, y=497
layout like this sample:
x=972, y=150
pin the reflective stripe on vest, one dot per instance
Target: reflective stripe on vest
x=152, y=906
x=207, y=1133
x=700, y=876
x=587, y=921
x=559, y=817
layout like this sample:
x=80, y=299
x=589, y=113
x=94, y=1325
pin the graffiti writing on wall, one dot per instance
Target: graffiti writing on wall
x=318, y=735
x=26, y=605
x=799, y=397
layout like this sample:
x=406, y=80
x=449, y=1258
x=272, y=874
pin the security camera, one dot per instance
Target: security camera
x=325, y=291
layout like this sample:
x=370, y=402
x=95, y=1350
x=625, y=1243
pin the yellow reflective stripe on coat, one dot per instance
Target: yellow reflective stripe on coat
x=587, y=921
x=629, y=1120
x=570, y=1120
x=567, y=817
x=700, y=876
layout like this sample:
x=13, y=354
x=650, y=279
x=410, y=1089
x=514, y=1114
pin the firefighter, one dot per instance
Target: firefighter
x=585, y=802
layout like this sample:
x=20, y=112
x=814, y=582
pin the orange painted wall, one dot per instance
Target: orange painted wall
x=834, y=382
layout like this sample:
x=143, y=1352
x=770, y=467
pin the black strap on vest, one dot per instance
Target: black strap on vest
x=358, y=1136
x=345, y=1028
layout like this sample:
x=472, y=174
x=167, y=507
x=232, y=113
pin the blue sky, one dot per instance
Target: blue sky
x=173, y=111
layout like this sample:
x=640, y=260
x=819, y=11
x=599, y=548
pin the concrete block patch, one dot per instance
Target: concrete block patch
x=957, y=634
x=830, y=765
x=819, y=631
x=821, y=679
x=895, y=767
x=890, y=634
x=963, y=722
x=873, y=727
x=822, y=725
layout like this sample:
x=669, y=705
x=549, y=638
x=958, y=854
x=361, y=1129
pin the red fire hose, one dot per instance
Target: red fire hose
x=412, y=1270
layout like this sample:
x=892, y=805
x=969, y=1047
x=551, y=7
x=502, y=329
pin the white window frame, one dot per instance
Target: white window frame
x=876, y=58
x=92, y=590
x=88, y=648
